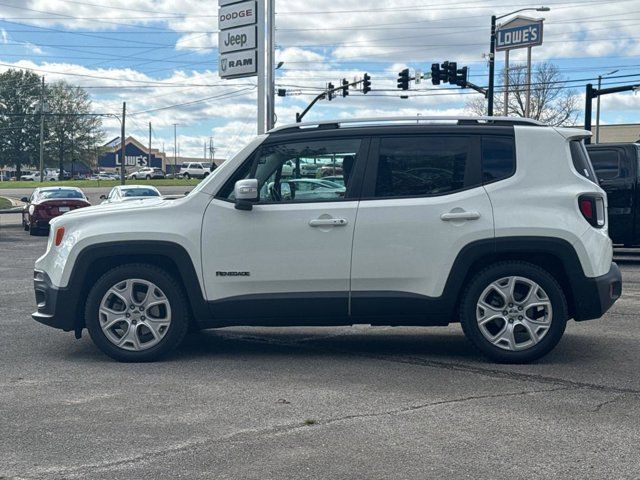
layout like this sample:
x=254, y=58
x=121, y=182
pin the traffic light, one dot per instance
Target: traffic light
x=461, y=77
x=366, y=84
x=330, y=93
x=345, y=87
x=403, y=79
x=452, y=72
x=437, y=75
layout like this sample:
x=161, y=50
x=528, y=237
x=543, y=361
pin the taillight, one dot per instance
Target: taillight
x=57, y=239
x=592, y=209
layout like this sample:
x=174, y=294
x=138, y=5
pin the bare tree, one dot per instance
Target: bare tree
x=551, y=102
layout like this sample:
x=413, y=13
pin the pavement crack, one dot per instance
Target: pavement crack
x=599, y=406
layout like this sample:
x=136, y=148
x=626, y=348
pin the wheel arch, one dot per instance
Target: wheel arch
x=95, y=260
x=554, y=255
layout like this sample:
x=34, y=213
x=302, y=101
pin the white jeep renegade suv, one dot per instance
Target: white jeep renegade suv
x=494, y=222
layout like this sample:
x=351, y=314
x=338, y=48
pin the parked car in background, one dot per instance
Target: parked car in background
x=124, y=193
x=309, y=189
x=338, y=179
x=46, y=203
x=147, y=173
x=616, y=166
x=195, y=170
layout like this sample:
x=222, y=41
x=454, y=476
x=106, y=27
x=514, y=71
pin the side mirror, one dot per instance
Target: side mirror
x=103, y=197
x=24, y=199
x=246, y=193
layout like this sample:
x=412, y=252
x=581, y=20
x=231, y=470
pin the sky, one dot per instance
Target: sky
x=161, y=57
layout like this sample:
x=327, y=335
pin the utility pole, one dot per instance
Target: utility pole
x=175, y=151
x=271, y=86
x=41, y=131
x=122, y=142
x=204, y=150
x=149, y=153
x=492, y=60
x=598, y=103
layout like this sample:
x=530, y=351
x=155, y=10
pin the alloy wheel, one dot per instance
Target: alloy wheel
x=134, y=314
x=514, y=313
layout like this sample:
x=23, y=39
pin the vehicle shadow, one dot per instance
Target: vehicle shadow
x=408, y=345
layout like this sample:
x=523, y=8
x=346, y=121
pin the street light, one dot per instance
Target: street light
x=598, y=104
x=492, y=52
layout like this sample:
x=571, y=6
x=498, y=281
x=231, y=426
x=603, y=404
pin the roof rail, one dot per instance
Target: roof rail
x=358, y=122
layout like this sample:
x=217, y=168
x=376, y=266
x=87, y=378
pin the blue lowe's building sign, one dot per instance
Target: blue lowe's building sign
x=136, y=156
x=520, y=32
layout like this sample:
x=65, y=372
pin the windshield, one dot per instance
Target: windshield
x=140, y=192
x=50, y=194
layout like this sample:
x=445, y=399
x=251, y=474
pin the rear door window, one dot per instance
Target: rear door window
x=498, y=158
x=426, y=165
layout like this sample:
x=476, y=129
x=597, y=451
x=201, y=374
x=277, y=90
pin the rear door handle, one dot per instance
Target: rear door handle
x=328, y=222
x=447, y=217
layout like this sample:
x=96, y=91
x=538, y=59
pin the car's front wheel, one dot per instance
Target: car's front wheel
x=137, y=313
x=187, y=176
x=514, y=312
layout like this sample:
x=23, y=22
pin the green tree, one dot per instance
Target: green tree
x=19, y=123
x=73, y=131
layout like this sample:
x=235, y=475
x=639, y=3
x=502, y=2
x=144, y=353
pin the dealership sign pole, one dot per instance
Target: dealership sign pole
x=520, y=32
x=242, y=41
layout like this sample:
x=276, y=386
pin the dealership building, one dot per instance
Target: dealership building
x=137, y=156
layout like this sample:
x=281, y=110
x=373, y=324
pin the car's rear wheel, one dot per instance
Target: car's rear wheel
x=187, y=176
x=137, y=313
x=514, y=312
x=33, y=230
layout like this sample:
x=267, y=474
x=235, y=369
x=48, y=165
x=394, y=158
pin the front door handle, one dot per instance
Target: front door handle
x=328, y=222
x=452, y=216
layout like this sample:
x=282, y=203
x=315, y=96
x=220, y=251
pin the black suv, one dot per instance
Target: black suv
x=616, y=166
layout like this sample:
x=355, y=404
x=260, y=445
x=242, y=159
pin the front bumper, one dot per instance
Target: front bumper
x=594, y=296
x=57, y=307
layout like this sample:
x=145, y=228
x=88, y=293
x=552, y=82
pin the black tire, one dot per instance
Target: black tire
x=148, y=177
x=33, y=230
x=177, y=300
x=25, y=226
x=469, y=306
x=186, y=176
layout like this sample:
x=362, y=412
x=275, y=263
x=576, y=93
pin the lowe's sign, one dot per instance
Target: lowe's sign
x=520, y=32
x=135, y=158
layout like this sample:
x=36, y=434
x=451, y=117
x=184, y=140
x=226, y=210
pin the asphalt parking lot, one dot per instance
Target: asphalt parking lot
x=335, y=403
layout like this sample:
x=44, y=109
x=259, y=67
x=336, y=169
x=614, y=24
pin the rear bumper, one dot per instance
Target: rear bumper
x=594, y=296
x=56, y=306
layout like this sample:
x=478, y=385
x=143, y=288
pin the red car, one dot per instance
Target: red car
x=48, y=202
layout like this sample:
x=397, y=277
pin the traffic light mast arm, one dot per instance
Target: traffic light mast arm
x=595, y=93
x=478, y=89
x=327, y=93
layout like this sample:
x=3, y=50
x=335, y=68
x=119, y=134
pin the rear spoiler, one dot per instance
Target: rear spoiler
x=573, y=133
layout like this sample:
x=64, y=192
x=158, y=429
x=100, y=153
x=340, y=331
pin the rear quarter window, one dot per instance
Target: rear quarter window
x=581, y=160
